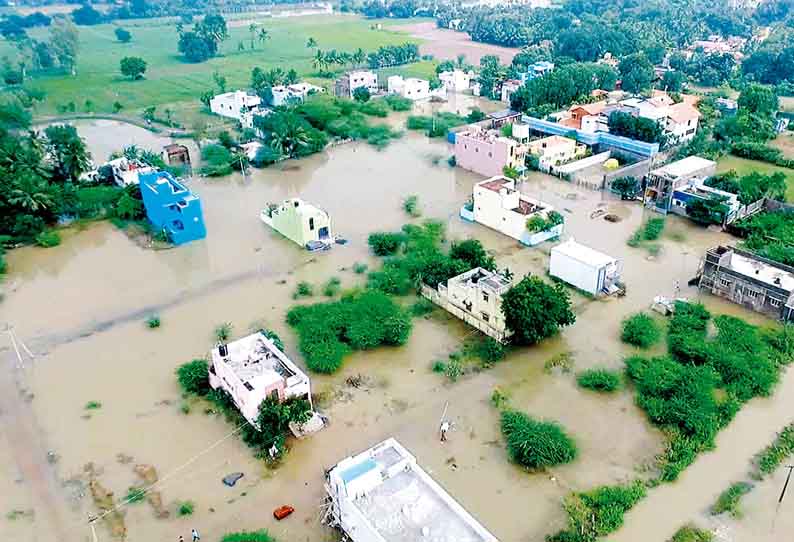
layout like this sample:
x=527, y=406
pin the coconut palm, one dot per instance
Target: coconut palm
x=264, y=35
x=359, y=57
x=311, y=43
x=31, y=194
x=252, y=31
x=289, y=137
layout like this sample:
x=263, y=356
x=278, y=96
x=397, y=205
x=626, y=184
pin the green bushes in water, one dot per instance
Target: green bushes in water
x=602, y=380
x=696, y=390
x=596, y=513
x=48, y=239
x=194, y=377
x=650, y=231
x=535, y=444
x=691, y=533
x=771, y=457
x=728, y=501
x=385, y=243
x=437, y=125
x=640, y=330
x=248, y=536
x=770, y=235
x=359, y=321
x=535, y=310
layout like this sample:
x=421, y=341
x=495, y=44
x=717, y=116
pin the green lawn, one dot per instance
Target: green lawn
x=172, y=83
x=744, y=166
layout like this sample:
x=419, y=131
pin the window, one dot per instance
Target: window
x=485, y=297
x=485, y=316
x=490, y=155
x=311, y=224
x=775, y=302
x=752, y=294
x=725, y=282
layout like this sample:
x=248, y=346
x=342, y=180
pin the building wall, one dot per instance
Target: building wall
x=231, y=104
x=299, y=224
x=488, y=158
x=349, y=82
x=582, y=276
x=175, y=211
x=475, y=321
x=247, y=401
x=743, y=291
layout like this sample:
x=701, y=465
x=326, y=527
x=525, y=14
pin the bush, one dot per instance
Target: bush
x=535, y=444
x=490, y=351
x=385, y=243
x=135, y=495
x=223, y=332
x=193, y=377
x=690, y=533
x=186, y=508
x=360, y=268
x=411, y=205
x=359, y=321
x=303, y=289
x=597, y=513
x=771, y=457
x=602, y=380
x=48, y=239
x=332, y=287
x=422, y=307
x=153, y=321
x=398, y=103
x=640, y=330
x=248, y=536
x=93, y=405
x=728, y=501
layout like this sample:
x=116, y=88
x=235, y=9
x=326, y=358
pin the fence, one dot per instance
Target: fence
x=638, y=171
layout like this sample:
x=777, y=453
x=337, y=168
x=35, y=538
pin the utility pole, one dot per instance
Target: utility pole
x=785, y=485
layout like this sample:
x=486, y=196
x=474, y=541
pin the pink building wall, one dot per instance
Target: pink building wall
x=486, y=155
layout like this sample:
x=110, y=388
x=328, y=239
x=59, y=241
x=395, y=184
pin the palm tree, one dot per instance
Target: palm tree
x=252, y=31
x=319, y=60
x=359, y=56
x=30, y=193
x=289, y=137
x=264, y=35
x=311, y=43
x=461, y=61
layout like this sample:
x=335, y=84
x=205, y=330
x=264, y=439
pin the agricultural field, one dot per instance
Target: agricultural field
x=743, y=166
x=176, y=85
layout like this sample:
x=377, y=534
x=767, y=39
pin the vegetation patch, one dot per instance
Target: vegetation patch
x=93, y=405
x=359, y=321
x=728, y=501
x=248, y=536
x=646, y=234
x=770, y=235
x=602, y=380
x=640, y=330
x=535, y=444
x=535, y=310
x=303, y=289
x=332, y=287
x=48, y=239
x=186, y=508
x=153, y=321
x=599, y=512
x=135, y=495
x=691, y=533
x=770, y=458
x=696, y=390
x=411, y=206
x=436, y=125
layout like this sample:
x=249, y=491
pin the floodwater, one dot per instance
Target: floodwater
x=448, y=44
x=79, y=308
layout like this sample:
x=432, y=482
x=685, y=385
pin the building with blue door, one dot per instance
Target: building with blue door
x=172, y=208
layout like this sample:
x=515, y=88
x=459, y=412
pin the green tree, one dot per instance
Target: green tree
x=361, y=94
x=673, y=81
x=64, y=40
x=627, y=187
x=758, y=99
x=636, y=72
x=133, y=67
x=311, y=43
x=535, y=310
x=193, y=377
x=67, y=152
x=122, y=35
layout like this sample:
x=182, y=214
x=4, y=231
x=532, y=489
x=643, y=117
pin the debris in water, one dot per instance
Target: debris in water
x=231, y=479
x=283, y=511
x=103, y=499
x=149, y=476
x=355, y=381
x=52, y=457
x=597, y=213
x=612, y=218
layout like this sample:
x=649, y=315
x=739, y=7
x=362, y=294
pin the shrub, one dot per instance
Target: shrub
x=770, y=458
x=653, y=229
x=439, y=366
x=490, y=351
x=690, y=533
x=248, y=536
x=599, y=380
x=359, y=321
x=411, y=205
x=153, y=321
x=398, y=103
x=385, y=243
x=535, y=444
x=391, y=279
x=193, y=377
x=332, y=287
x=186, y=508
x=223, y=332
x=473, y=253
x=93, y=405
x=728, y=501
x=303, y=289
x=453, y=368
x=48, y=239
x=360, y=268
x=422, y=307
x=135, y=495
x=598, y=512
x=640, y=330
x=500, y=399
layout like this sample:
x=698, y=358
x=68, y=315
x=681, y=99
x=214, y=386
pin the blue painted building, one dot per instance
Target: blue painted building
x=172, y=208
x=538, y=69
x=604, y=139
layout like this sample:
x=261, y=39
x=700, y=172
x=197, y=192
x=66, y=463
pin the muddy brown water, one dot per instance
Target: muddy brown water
x=80, y=308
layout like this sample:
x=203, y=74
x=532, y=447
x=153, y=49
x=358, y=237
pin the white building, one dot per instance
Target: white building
x=252, y=369
x=122, y=171
x=508, y=88
x=497, y=204
x=411, y=88
x=585, y=268
x=347, y=84
x=476, y=298
x=456, y=80
x=284, y=94
x=383, y=495
x=300, y=222
x=234, y=105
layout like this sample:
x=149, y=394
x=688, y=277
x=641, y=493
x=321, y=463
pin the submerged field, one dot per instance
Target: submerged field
x=172, y=83
x=80, y=308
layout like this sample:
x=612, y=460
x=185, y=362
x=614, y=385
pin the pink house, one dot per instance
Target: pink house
x=488, y=152
x=252, y=369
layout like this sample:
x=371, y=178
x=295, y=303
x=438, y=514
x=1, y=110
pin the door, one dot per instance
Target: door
x=323, y=232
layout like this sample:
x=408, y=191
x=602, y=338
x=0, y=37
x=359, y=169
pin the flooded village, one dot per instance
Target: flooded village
x=101, y=442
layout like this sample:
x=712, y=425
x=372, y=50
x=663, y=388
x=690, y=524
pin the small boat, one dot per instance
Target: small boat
x=283, y=511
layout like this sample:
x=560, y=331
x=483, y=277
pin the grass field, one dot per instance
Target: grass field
x=177, y=85
x=744, y=166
